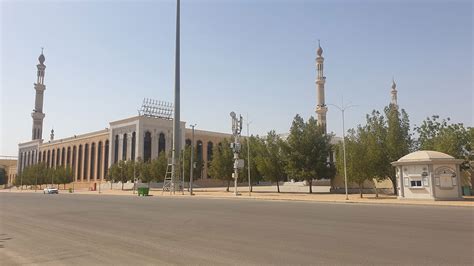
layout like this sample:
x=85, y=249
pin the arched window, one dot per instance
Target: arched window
x=52, y=159
x=39, y=157
x=188, y=142
x=210, y=145
x=134, y=142
x=147, y=147
x=116, y=147
x=199, y=150
x=68, y=157
x=161, y=143
x=124, y=147
x=92, y=172
x=99, y=159
x=106, y=158
x=48, y=159
x=79, y=164
x=63, y=156
x=86, y=160
x=58, y=157
x=74, y=159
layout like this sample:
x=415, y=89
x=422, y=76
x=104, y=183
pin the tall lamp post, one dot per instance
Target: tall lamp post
x=343, y=109
x=248, y=153
x=191, y=168
x=176, y=114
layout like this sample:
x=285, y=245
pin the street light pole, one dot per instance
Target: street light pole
x=344, y=152
x=343, y=109
x=191, y=168
x=176, y=114
x=248, y=153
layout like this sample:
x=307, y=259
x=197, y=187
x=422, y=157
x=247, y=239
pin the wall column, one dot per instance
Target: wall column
x=89, y=151
x=154, y=145
x=102, y=161
x=82, y=162
x=120, y=147
x=74, y=165
x=129, y=145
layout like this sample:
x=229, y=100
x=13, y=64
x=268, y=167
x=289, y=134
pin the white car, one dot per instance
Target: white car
x=50, y=190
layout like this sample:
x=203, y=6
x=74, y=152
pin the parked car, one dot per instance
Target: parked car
x=50, y=190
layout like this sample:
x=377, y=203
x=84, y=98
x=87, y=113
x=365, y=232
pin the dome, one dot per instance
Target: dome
x=41, y=58
x=425, y=156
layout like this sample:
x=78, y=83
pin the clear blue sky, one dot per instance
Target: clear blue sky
x=104, y=57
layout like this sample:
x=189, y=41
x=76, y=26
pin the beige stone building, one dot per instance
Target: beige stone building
x=8, y=163
x=428, y=175
x=91, y=154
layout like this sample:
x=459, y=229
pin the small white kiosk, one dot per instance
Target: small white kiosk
x=428, y=175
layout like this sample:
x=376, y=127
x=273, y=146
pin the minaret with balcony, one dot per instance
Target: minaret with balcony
x=321, y=108
x=37, y=114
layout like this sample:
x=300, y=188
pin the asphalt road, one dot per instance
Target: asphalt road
x=125, y=230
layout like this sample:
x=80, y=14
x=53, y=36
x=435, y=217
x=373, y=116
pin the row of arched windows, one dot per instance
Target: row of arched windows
x=199, y=149
x=88, y=161
x=147, y=142
x=125, y=141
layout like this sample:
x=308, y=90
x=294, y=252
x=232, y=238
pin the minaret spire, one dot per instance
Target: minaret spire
x=394, y=93
x=321, y=108
x=37, y=114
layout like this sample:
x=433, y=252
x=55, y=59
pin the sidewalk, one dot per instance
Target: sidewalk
x=219, y=193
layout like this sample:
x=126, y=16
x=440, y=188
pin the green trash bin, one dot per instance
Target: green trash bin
x=466, y=191
x=143, y=191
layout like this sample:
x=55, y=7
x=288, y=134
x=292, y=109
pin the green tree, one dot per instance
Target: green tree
x=146, y=175
x=452, y=138
x=112, y=174
x=118, y=173
x=255, y=146
x=64, y=175
x=366, y=151
x=270, y=159
x=158, y=167
x=222, y=163
x=357, y=166
x=443, y=136
x=307, y=150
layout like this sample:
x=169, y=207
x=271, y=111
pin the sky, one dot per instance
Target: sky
x=256, y=58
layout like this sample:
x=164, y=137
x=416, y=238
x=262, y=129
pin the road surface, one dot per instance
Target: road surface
x=126, y=230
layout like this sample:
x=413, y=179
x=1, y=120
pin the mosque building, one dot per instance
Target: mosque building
x=144, y=136
x=90, y=155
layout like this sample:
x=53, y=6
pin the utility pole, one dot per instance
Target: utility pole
x=248, y=154
x=191, y=167
x=182, y=172
x=176, y=115
x=343, y=109
x=238, y=163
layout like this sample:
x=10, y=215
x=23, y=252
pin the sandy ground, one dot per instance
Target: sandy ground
x=320, y=194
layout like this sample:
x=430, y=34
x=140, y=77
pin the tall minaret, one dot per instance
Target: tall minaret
x=37, y=114
x=394, y=93
x=321, y=108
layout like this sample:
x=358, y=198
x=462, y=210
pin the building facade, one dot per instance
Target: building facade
x=90, y=155
x=428, y=175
